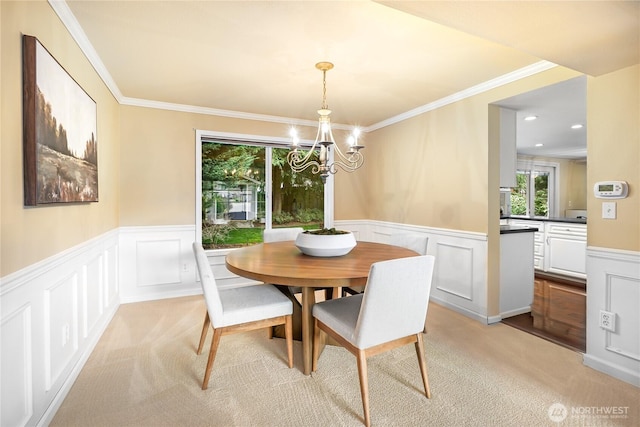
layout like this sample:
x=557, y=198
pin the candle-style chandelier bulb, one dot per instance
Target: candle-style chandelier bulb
x=349, y=161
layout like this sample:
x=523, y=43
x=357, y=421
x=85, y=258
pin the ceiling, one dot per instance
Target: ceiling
x=556, y=109
x=392, y=59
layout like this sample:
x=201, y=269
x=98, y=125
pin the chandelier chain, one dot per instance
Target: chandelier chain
x=324, y=90
x=324, y=157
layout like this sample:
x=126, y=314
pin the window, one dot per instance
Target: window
x=535, y=193
x=246, y=185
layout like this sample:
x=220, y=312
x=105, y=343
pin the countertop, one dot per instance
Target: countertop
x=557, y=219
x=510, y=229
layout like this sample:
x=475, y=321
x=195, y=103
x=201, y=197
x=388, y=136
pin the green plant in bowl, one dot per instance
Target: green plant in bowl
x=326, y=232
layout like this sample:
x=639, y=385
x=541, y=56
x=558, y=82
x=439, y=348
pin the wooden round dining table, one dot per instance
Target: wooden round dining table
x=282, y=263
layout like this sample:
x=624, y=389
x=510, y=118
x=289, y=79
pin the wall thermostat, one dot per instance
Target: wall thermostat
x=610, y=189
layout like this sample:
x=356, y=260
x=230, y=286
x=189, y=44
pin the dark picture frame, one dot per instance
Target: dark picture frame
x=60, y=148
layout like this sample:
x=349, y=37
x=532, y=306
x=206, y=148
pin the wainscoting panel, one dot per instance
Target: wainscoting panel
x=459, y=280
x=61, y=337
x=454, y=271
x=157, y=262
x=613, y=279
x=16, y=395
x=53, y=312
x=111, y=289
x=224, y=278
x=92, y=294
x=623, y=296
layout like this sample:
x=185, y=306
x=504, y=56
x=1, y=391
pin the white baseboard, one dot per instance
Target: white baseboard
x=465, y=312
x=515, y=312
x=154, y=296
x=616, y=371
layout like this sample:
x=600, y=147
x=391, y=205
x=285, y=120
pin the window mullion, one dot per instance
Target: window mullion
x=268, y=173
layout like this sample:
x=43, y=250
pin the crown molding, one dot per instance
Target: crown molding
x=521, y=73
x=70, y=22
x=61, y=9
x=146, y=103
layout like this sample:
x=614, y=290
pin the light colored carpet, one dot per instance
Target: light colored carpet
x=145, y=372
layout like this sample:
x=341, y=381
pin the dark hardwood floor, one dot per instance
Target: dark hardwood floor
x=557, y=313
x=524, y=322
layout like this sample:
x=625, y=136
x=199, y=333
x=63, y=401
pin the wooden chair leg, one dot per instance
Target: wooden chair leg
x=364, y=385
x=215, y=341
x=316, y=345
x=288, y=331
x=203, y=334
x=423, y=364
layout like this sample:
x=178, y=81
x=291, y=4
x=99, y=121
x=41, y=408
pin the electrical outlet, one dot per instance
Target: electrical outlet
x=65, y=334
x=608, y=320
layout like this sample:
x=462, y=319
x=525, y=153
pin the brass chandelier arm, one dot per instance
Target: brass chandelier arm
x=351, y=161
x=324, y=142
x=354, y=162
x=300, y=163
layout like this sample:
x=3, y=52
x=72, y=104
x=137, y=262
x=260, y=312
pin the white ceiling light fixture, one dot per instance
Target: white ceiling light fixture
x=349, y=161
x=539, y=145
x=530, y=118
x=576, y=126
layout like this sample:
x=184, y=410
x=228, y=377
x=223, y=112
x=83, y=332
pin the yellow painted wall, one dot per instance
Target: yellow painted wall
x=28, y=235
x=576, y=190
x=613, y=150
x=157, y=161
x=433, y=169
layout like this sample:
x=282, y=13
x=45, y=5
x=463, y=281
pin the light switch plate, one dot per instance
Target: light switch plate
x=609, y=210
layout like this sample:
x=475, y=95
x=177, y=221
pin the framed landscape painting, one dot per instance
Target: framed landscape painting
x=60, y=147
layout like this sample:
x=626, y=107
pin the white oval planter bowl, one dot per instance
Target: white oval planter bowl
x=325, y=245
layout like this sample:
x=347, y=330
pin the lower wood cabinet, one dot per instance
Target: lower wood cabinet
x=560, y=309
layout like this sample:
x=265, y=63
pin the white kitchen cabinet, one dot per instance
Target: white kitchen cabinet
x=516, y=273
x=566, y=249
x=538, y=241
x=559, y=247
x=508, y=156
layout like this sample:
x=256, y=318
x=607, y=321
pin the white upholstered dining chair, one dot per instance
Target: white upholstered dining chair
x=239, y=310
x=281, y=234
x=414, y=241
x=268, y=236
x=390, y=313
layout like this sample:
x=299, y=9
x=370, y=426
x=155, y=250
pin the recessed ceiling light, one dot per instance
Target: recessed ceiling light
x=576, y=126
x=529, y=118
x=539, y=145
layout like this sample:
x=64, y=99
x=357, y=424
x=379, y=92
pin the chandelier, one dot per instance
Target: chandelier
x=325, y=164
